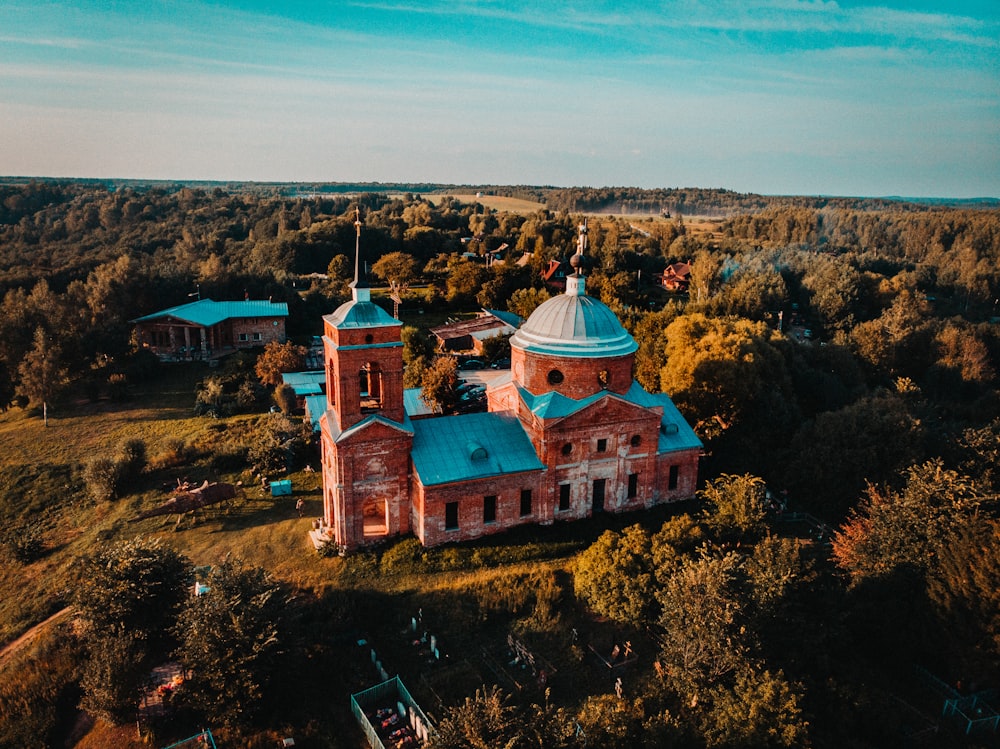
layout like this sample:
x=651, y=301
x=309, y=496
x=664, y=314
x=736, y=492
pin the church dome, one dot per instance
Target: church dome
x=574, y=325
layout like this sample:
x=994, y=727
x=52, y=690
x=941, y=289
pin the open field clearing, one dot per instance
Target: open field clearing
x=494, y=202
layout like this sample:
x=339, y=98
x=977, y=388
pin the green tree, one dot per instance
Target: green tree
x=490, y=720
x=416, y=343
x=485, y=721
x=964, y=587
x=134, y=587
x=114, y=676
x=761, y=710
x=738, y=504
x=103, y=477
x=614, y=575
x=465, y=279
x=836, y=453
x=702, y=638
x=398, y=269
x=496, y=347
x=525, y=301
x=439, y=387
x=506, y=280
x=278, y=358
x=230, y=640
x=273, y=443
x=773, y=569
x=42, y=373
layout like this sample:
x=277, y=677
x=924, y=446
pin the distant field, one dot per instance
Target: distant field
x=496, y=202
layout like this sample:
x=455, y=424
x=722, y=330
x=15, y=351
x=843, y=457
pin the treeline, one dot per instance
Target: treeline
x=693, y=201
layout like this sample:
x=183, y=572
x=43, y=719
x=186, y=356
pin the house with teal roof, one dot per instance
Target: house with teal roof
x=206, y=329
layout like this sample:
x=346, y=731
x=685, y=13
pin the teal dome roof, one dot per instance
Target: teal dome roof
x=574, y=325
x=360, y=314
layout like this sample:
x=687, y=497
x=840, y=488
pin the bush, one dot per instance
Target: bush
x=284, y=396
x=175, y=453
x=24, y=542
x=133, y=462
x=405, y=558
x=103, y=478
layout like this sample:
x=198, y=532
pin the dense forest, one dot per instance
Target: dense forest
x=841, y=355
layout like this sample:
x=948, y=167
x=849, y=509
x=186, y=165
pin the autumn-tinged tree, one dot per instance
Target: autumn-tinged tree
x=720, y=371
x=891, y=529
x=277, y=358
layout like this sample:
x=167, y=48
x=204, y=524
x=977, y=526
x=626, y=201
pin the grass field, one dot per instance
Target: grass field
x=494, y=202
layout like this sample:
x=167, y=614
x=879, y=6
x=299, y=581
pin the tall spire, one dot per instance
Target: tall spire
x=575, y=283
x=359, y=286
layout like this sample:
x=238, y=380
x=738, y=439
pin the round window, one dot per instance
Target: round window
x=555, y=377
x=567, y=448
x=369, y=338
x=636, y=440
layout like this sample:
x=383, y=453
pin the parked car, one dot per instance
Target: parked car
x=472, y=364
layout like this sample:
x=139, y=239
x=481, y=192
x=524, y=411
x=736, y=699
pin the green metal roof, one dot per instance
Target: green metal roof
x=305, y=383
x=675, y=432
x=471, y=446
x=414, y=405
x=207, y=312
x=315, y=408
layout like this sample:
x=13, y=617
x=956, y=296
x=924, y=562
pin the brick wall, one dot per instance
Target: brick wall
x=269, y=329
x=429, y=507
x=581, y=377
x=367, y=470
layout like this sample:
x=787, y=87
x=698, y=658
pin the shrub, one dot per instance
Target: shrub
x=284, y=396
x=24, y=542
x=103, y=478
x=406, y=557
x=175, y=453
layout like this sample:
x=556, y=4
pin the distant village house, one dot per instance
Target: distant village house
x=469, y=335
x=207, y=329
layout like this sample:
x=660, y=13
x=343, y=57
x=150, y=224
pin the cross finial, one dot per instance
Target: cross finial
x=359, y=282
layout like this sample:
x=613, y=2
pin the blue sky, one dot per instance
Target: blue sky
x=781, y=97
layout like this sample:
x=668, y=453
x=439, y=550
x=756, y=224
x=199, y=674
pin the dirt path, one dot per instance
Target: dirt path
x=30, y=635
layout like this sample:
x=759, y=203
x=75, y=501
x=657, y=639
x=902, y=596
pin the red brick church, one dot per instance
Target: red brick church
x=568, y=432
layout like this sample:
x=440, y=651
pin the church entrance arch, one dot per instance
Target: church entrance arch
x=376, y=515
